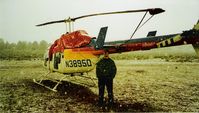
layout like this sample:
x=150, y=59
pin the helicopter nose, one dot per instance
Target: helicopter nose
x=155, y=11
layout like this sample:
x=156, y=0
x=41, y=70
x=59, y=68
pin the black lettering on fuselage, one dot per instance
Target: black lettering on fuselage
x=78, y=63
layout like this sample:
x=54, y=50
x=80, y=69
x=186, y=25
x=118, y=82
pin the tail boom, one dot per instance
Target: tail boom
x=151, y=43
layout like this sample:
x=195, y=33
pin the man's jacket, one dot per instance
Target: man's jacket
x=106, y=68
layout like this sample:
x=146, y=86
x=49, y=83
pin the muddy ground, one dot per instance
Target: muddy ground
x=140, y=85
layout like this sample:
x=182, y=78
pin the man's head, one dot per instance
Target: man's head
x=106, y=54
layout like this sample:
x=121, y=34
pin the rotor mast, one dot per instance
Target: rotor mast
x=69, y=25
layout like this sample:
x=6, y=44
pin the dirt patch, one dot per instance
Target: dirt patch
x=138, y=87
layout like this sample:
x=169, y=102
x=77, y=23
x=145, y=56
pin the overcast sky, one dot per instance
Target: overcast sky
x=19, y=17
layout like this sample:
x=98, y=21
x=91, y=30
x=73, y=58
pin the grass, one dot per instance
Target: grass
x=159, y=86
x=154, y=84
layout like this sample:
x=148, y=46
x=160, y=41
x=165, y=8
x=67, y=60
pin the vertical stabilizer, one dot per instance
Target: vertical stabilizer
x=101, y=38
x=196, y=27
x=196, y=48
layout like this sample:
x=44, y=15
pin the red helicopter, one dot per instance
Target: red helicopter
x=76, y=52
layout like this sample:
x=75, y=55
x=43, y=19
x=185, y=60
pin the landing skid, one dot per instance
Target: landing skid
x=82, y=83
x=54, y=87
x=40, y=82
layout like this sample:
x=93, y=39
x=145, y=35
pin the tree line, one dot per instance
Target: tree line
x=22, y=50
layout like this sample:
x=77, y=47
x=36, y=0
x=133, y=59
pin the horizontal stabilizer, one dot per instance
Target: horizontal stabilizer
x=151, y=33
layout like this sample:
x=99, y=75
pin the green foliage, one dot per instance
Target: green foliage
x=22, y=50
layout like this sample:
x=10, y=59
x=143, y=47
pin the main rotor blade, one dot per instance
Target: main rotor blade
x=153, y=11
x=52, y=22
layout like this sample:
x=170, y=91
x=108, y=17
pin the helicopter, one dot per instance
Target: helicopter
x=76, y=53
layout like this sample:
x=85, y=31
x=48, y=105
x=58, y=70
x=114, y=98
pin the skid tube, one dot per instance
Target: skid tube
x=42, y=79
x=54, y=88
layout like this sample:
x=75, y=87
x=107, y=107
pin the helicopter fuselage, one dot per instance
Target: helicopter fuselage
x=70, y=61
x=84, y=58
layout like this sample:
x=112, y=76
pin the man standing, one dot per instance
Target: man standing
x=105, y=71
